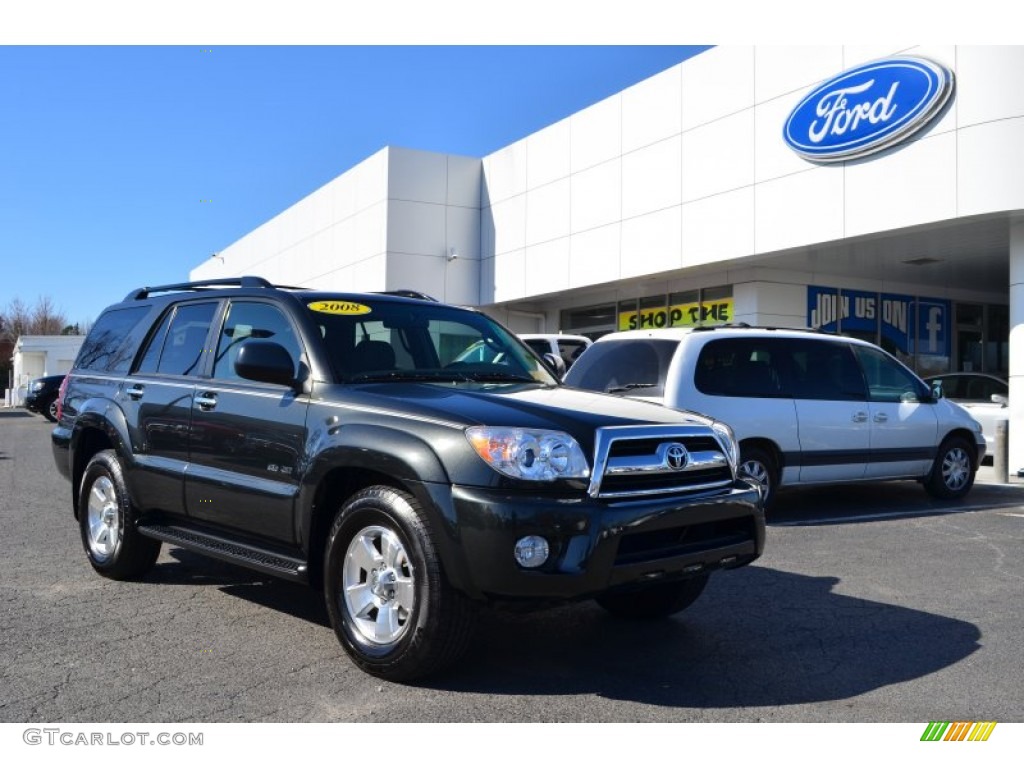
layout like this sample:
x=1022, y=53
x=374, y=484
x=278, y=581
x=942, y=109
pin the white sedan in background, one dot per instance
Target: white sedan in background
x=984, y=395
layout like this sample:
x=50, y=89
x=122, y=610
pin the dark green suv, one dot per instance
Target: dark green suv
x=344, y=441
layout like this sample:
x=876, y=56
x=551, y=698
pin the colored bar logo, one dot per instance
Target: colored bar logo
x=958, y=731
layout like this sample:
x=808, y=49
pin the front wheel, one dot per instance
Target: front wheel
x=953, y=472
x=388, y=600
x=656, y=601
x=758, y=465
x=106, y=517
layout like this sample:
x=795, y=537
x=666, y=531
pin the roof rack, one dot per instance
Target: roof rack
x=762, y=328
x=406, y=294
x=248, y=281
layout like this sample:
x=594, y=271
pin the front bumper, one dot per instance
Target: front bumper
x=597, y=546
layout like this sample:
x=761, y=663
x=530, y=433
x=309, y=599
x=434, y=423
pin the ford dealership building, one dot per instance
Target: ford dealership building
x=868, y=190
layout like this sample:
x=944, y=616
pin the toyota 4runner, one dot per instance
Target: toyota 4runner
x=339, y=440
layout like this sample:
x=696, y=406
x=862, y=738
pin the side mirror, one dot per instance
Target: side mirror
x=555, y=363
x=937, y=390
x=1002, y=400
x=265, y=361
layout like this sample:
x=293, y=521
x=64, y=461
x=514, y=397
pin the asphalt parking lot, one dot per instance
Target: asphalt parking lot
x=872, y=603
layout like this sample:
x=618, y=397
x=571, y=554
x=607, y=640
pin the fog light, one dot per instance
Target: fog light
x=531, y=551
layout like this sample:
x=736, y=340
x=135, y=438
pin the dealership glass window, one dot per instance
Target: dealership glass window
x=592, y=322
x=970, y=326
x=997, y=340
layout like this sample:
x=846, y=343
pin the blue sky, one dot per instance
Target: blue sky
x=127, y=166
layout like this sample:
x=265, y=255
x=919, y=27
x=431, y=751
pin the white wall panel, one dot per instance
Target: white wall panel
x=547, y=154
x=596, y=196
x=913, y=184
x=487, y=282
x=990, y=160
x=594, y=256
x=547, y=267
x=370, y=274
x=651, y=243
x=369, y=232
x=855, y=55
x=990, y=81
x=772, y=156
x=462, y=228
x=504, y=174
x=652, y=109
x=510, y=275
x=719, y=227
x=416, y=175
x=800, y=209
x=783, y=69
x=464, y=181
x=651, y=178
x=508, y=219
x=417, y=272
x=596, y=134
x=371, y=180
x=547, y=212
x=416, y=228
x=718, y=157
x=344, y=196
x=717, y=83
x=462, y=282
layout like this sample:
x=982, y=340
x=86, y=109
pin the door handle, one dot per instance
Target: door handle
x=881, y=418
x=135, y=391
x=860, y=417
x=206, y=401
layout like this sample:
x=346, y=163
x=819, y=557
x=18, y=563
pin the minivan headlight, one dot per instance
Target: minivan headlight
x=529, y=454
x=727, y=439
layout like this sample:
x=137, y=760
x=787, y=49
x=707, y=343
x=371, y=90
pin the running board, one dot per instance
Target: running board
x=225, y=549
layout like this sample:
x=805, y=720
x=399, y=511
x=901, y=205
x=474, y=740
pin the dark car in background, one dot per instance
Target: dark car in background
x=42, y=395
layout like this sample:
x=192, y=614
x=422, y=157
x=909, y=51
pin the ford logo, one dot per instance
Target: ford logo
x=867, y=109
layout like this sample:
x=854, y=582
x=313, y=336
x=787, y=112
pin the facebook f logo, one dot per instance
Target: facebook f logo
x=933, y=327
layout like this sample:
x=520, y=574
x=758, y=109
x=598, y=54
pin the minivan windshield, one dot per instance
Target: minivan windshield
x=387, y=340
x=635, y=367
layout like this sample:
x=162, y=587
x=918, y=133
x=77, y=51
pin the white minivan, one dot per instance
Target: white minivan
x=807, y=407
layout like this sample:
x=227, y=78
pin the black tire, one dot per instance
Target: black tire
x=654, y=602
x=389, y=601
x=952, y=474
x=50, y=411
x=107, y=522
x=758, y=465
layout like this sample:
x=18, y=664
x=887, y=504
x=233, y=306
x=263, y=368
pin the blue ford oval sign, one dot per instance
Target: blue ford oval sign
x=868, y=109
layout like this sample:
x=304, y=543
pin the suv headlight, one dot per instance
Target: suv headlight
x=727, y=439
x=529, y=454
x=37, y=386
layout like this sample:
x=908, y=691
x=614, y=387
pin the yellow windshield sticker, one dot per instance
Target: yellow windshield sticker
x=339, y=308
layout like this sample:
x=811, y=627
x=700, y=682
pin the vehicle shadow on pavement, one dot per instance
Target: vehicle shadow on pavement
x=837, y=504
x=189, y=568
x=760, y=637
x=16, y=415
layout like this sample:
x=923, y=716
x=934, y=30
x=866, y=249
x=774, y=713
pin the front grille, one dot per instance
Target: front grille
x=684, y=540
x=636, y=461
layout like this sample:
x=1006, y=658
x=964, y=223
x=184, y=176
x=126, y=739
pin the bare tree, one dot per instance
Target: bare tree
x=18, y=319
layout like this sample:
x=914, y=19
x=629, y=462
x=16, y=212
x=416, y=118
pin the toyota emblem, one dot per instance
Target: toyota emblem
x=676, y=456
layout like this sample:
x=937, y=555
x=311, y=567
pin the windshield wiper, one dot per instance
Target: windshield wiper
x=627, y=387
x=409, y=376
x=498, y=376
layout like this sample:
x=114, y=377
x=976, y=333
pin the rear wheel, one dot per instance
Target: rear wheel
x=953, y=472
x=656, y=601
x=106, y=517
x=758, y=465
x=50, y=411
x=389, y=602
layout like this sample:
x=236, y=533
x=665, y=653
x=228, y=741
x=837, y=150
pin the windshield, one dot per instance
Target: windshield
x=388, y=340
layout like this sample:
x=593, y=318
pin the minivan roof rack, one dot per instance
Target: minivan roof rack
x=248, y=281
x=762, y=328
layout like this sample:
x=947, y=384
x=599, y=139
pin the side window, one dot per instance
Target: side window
x=826, y=370
x=252, y=320
x=185, y=341
x=106, y=348
x=151, y=357
x=570, y=350
x=540, y=346
x=888, y=381
x=742, y=368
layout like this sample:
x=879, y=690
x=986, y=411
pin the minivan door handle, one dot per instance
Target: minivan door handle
x=860, y=417
x=206, y=401
x=880, y=417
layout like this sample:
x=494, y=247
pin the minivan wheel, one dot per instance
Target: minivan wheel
x=953, y=472
x=106, y=518
x=656, y=601
x=758, y=465
x=388, y=600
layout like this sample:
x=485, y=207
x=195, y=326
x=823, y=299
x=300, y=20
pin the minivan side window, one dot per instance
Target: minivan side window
x=888, y=381
x=750, y=367
x=105, y=348
x=825, y=370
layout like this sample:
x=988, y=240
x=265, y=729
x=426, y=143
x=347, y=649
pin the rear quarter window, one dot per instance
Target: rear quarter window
x=111, y=344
